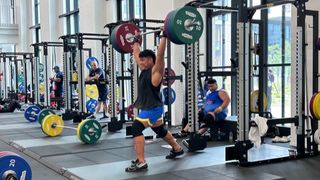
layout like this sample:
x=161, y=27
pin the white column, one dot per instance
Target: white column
x=23, y=26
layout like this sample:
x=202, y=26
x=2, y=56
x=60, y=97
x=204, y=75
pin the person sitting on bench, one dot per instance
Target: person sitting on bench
x=10, y=107
x=214, y=109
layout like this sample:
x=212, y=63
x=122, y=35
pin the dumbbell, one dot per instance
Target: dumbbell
x=34, y=113
x=14, y=167
x=88, y=131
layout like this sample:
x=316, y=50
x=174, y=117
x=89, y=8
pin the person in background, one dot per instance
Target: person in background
x=57, y=85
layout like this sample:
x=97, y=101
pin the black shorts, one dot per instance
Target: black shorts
x=57, y=93
x=103, y=95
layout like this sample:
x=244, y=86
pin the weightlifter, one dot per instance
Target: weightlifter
x=96, y=73
x=150, y=104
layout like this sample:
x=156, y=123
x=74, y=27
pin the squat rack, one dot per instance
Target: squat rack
x=240, y=150
x=79, y=38
x=15, y=56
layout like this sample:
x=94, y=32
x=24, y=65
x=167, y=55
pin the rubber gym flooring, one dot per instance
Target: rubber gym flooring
x=65, y=157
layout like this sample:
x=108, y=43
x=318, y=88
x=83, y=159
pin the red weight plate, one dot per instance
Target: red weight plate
x=171, y=73
x=123, y=36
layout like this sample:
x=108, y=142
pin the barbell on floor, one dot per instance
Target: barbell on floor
x=34, y=113
x=88, y=131
x=13, y=166
x=183, y=26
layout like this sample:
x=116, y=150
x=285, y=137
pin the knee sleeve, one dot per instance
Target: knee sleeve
x=137, y=128
x=160, y=131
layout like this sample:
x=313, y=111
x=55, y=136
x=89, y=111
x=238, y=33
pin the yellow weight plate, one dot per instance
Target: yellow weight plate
x=74, y=76
x=79, y=128
x=41, y=88
x=48, y=123
x=254, y=101
x=316, y=106
x=92, y=91
x=314, y=109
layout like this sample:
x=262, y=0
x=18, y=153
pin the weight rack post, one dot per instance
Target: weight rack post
x=66, y=77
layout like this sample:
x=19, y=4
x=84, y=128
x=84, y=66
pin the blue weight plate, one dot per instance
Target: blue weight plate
x=91, y=105
x=90, y=60
x=165, y=98
x=14, y=164
x=31, y=113
x=21, y=88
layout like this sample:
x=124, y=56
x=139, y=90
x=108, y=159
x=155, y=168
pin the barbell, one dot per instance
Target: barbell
x=314, y=106
x=34, y=113
x=183, y=26
x=88, y=131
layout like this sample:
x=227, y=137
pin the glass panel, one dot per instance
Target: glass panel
x=72, y=30
x=76, y=22
x=279, y=52
x=64, y=6
x=125, y=9
x=6, y=47
x=71, y=5
x=138, y=9
x=221, y=37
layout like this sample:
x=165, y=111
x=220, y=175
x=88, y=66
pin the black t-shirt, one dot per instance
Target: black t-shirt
x=59, y=85
x=148, y=95
x=101, y=75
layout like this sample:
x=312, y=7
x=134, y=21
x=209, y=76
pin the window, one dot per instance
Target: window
x=7, y=14
x=279, y=61
x=221, y=47
x=71, y=15
x=36, y=21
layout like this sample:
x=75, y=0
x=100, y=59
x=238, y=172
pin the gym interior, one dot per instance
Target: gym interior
x=172, y=89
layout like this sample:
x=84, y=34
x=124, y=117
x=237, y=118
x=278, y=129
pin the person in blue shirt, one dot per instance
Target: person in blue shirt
x=97, y=74
x=57, y=84
x=214, y=109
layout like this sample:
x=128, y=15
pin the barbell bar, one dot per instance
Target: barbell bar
x=183, y=26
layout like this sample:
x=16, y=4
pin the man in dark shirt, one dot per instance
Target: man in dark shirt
x=9, y=107
x=96, y=74
x=57, y=84
x=150, y=104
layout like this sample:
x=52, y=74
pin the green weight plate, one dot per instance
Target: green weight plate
x=170, y=28
x=20, y=78
x=41, y=67
x=41, y=77
x=43, y=113
x=187, y=24
x=89, y=131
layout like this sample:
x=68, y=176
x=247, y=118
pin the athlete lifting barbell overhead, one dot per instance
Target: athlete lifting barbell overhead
x=150, y=104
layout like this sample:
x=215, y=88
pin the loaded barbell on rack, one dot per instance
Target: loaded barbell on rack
x=183, y=26
x=88, y=131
